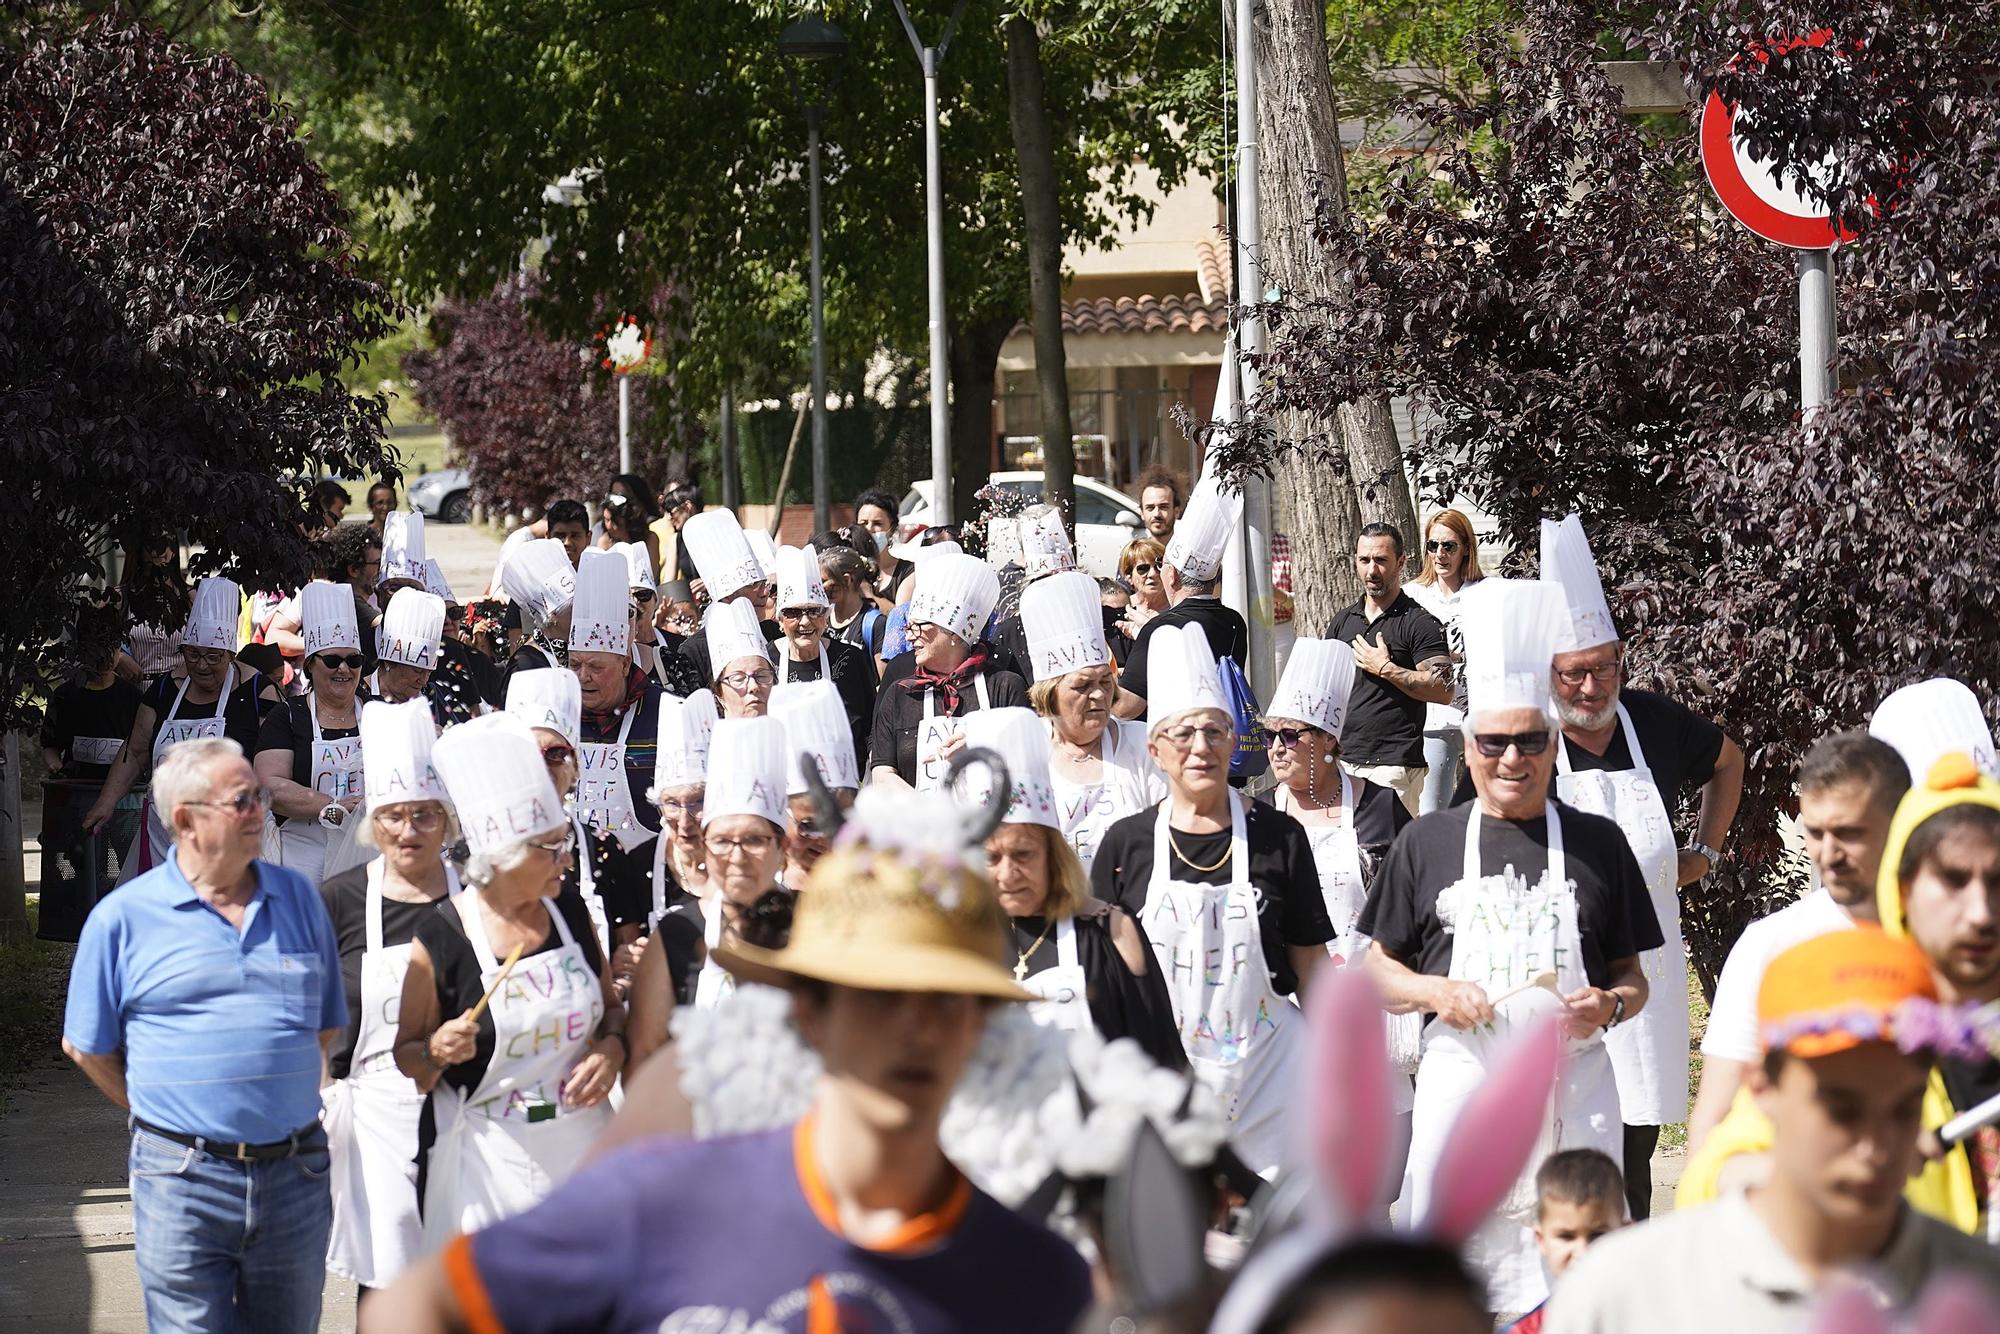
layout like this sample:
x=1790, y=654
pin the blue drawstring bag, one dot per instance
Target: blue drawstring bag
x=1251, y=757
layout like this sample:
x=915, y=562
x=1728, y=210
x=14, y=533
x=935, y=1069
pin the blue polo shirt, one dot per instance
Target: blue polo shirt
x=220, y=1028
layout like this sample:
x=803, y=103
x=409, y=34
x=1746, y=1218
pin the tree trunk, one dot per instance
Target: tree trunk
x=13, y=863
x=1028, y=112
x=975, y=356
x=1298, y=135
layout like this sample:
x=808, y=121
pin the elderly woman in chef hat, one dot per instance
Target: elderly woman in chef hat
x=815, y=733
x=215, y=698
x=743, y=669
x=1099, y=764
x=550, y=702
x=743, y=837
x=407, y=644
x=372, y=1107
x=309, y=751
x=806, y=652
x=509, y=1020
x=917, y=718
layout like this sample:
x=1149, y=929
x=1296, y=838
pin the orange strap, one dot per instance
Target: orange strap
x=474, y=1303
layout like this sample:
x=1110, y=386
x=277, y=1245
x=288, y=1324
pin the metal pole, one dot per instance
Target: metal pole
x=941, y=507
x=1816, y=345
x=625, y=423
x=1254, y=548
x=732, y=492
x=822, y=509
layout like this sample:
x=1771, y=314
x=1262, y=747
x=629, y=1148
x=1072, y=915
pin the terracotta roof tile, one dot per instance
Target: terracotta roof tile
x=1215, y=267
x=1146, y=314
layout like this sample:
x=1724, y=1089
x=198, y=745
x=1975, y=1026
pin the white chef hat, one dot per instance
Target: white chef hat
x=1319, y=677
x=1933, y=718
x=1021, y=740
x=1003, y=541
x=733, y=631
x=403, y=545
x=746, y=770
x=815, y=725
x=1203, y=530
x=1568, y=564
x=213, y=615
x=397, y=739
x=799, y=581
x=411, y=630
x=326, y=617
x=493, y=772
x=956, y=592
x=686, y=726
x=917, y=555
x=1180, y=675
x=640, y=562
x=1045, y=542
x=1513, y=628
x=721, y=554
x=434, y=581
x=538, y=576
x=1063, y=619
x=550, y=697
x=766, y=550
x=602, y=619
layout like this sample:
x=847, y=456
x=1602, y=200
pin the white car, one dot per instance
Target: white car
x=1105, y=519
x=444, y=495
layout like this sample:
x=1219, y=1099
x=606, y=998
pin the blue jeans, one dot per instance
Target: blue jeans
x=1444, y=752
x=224, y=1246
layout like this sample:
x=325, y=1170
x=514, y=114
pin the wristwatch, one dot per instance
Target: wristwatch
x=1713, y=856
x=333, y=815
x=1617, y=1012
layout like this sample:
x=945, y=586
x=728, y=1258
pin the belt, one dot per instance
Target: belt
x=242, y=1153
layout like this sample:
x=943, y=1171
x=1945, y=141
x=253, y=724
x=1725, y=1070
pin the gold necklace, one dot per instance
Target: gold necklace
x=1190, y=862
x=1022, y=957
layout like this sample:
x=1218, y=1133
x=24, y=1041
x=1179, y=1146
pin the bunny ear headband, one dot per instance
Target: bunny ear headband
x=1953, y=1304
x=1347, y=1130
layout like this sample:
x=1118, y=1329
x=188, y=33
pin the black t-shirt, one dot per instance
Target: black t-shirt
x=854, y=679
x=1379, y=815
x=1290, y=908
x=1121, y=1005
x=899, y=712
x=461, y=683
x=1681, y=748
x=1227, y=636
x=682, y=930
x=865, y=631
x=290, y=727
x=1614, y=913
x=346, y=899
x=99, y=716
x=1010, y=648
x=624, y=880
x=1384, y=725
x=242, y=713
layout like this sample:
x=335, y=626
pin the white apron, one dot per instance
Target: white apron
x=1064, y=1002
x=371, y=1122
x=1243, y=1039
x=1087, y=810
x=603, y=792
x=933, y=733
x=336, y=776
x=714, y=982
x=150, y=844
x=1649, y=1052
x=825, y=671
x=511, y=1142
x=1505, y=932
x=1337, y=858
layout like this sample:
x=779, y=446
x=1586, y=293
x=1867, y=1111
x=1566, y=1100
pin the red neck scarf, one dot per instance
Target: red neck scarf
x=948, y=684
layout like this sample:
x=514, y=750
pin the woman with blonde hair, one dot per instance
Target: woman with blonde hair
x=1451, y=565
x=1141, y=565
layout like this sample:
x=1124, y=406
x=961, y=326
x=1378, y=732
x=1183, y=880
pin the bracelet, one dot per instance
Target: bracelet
x=1702, y=850
x=424, y=1044
x=1617, y=1012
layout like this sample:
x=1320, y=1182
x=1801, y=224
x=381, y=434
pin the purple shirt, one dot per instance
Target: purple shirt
x=729, y=1234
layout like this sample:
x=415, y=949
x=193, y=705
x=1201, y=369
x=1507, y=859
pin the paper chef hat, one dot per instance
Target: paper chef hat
x=640, y=562
x=1512, y=628
x=397, y=739
x=411, y=630
x=766, y=551
x=1046, y=544
x=1319, y=677
x=602, y=619
x=434, y=581
x=1021, y=740
x=721, y=554
x=956, y=592
x=550, y=697
x=799, y=582
x=1003, y=541
x=212, y=616
x=746, y=770
x=326, y=615
x=1934, y=718
x=686, y=726
x=539, y=577
x=733, y=632
x=816, y=726
x=1063, y=619
x=403, y=545
x=493, y=772
x=1203, y=531
x=1180, y=675
x=1568, y=564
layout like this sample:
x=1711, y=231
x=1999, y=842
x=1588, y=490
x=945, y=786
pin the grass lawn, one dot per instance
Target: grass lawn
x=420, y=446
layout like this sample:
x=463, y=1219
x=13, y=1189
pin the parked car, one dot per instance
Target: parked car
x=1106, y=519
x=444, y=495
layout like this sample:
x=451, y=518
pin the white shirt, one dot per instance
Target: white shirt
x=1732, y=1017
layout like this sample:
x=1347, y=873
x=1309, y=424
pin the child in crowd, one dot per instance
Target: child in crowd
x=1580, y=1196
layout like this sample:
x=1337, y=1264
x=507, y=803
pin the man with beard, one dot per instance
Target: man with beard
x=1405, y=665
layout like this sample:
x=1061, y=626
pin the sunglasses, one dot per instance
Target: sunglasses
x=1143, y=567
x=254, y=800
x=800, y=613
x=557, y=754
x=354, y=660
x=1494, y=744
x=1446, y=547
x=1291, y=737
x=643, y=596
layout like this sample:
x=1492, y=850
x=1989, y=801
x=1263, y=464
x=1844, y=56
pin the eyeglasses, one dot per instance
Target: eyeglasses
x=557, y=847
x=757, y=845
x=205, y=657
x=642, y=596
x=807, y=828
x=554, y=755
x=425, y=820
x=1184, y=738
x=1604, y=675
x=354, y=660
x=1289, y=737
x=800, y=613
x=1494, y=744
x=1446, y=547
x=673, y=808
x=249, y=801
x=744, y=680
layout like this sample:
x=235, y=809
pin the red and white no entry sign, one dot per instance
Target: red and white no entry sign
x=1772, y=206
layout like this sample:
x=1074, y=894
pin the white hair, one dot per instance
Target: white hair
x=482, y=867
x=182, y=776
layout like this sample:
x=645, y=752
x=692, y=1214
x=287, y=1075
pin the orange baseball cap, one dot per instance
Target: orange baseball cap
x=1838, y=990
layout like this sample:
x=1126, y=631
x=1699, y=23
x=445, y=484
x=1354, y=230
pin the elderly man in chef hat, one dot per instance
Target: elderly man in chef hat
x=729, y=570
x=1491, y=913
x=1633, y=756
x=1193, y=578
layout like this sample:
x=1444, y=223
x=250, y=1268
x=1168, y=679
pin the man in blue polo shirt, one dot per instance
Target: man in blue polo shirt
x=203, y=997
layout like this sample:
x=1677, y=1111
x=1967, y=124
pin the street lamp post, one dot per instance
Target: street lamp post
x=813, y=41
